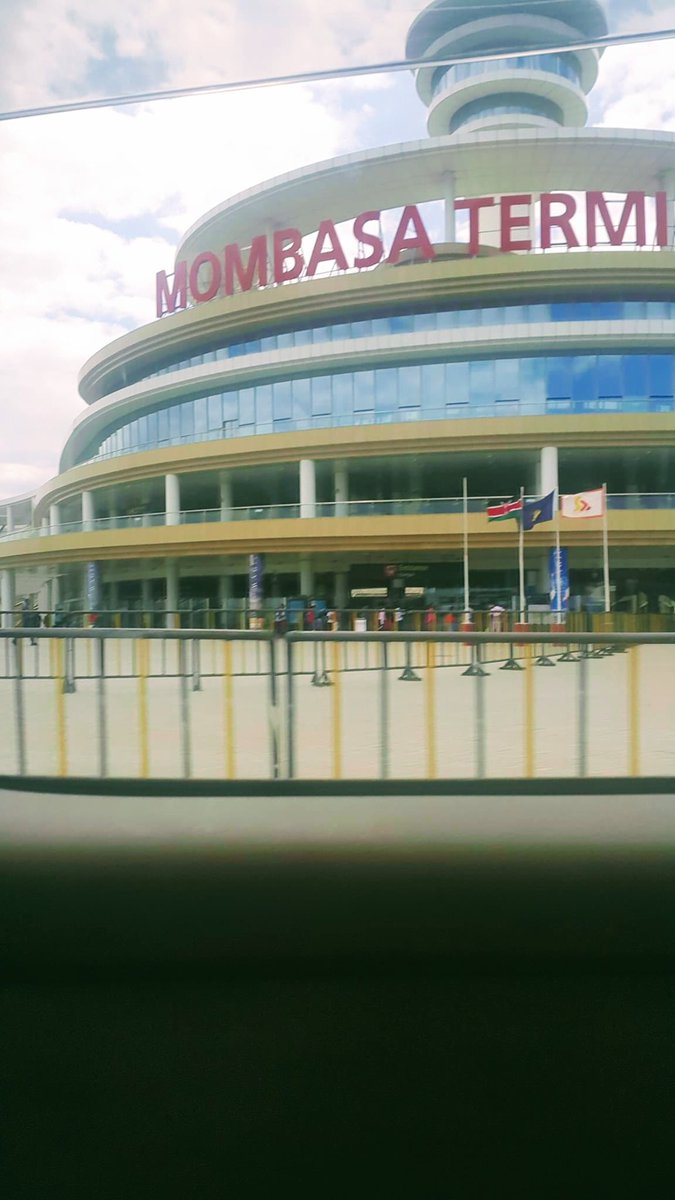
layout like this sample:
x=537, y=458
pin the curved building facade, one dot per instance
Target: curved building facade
x=338, y=349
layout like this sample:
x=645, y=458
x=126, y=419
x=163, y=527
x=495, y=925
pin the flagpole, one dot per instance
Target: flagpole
x=465, y=496
x=521, y=557
x=605, y=548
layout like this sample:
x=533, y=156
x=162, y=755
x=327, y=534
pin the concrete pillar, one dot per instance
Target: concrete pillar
x=44, y=526
x=171, y=593
x=172, y=500
x=225, y=482
x=342, y=589
x=450, y=216
x=54, y=521
x=306, y=578
x=9, y=521
x=146, y=595
x=547, y=475
x=7, y=598
x=87, y=511
x=341, y=481
x=307, y=488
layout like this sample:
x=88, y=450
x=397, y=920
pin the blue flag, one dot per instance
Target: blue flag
x=535, y=512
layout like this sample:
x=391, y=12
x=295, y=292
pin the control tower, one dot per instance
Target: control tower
x=525, y=90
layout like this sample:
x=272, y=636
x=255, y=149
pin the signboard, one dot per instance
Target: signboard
x=93, y=586
x=562, y=220
x=559, y=603
x=256, y=571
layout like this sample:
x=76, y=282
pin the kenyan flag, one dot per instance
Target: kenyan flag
x=504, y=512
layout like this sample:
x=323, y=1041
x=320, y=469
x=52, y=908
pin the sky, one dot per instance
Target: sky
x=93, y=204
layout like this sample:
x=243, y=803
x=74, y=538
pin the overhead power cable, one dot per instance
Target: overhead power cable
x=337, y=73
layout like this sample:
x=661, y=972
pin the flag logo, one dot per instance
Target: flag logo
x=504, y=512
x=583, y=505
x=535, y=512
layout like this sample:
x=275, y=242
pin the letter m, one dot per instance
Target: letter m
x=172, y=296
x=245, y=275
x=596, y=205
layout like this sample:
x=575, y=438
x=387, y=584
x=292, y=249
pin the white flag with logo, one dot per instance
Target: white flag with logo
x=583, y=504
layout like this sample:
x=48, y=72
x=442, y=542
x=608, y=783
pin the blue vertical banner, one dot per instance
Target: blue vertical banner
x=559, y=603
x=93, y=586
x=256, y=571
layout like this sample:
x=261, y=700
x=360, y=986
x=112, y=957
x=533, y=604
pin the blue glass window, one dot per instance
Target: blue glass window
x=364, y=391
x=282, y=401
x=263, y=404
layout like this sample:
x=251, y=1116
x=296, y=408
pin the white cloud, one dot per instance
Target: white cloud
x=92, y=204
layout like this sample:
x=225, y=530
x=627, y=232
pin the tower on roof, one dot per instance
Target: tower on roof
x=521, y=90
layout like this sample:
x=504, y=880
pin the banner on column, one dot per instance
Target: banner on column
x=93, y=586
x=256, y=571
x=560, y=602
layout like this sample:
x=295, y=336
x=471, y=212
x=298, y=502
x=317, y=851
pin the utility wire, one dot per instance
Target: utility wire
x=404, y=64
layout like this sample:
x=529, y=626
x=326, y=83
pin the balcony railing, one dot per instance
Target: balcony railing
x=425, y=506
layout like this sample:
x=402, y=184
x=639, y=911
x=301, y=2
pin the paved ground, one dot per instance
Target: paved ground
x=433, y=724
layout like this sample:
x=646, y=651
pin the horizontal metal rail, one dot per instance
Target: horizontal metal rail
x=205, y=712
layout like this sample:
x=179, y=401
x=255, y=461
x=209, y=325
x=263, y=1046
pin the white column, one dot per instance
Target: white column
x=87, y=511
x=341, y=481
x=450, y=216
x=171, y=593
x=146, y=595
x=547, y=475
x=54, y=522
x=341, y=589
x=306, y=578
x=172, y=500
x=225, y=590
x=307, y=488
x=225, y=481
x=9, y=523
x=7, y=598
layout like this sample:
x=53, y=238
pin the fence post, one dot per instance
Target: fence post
x=69, y=672
x=384, y=716
x=102, y=719
x=19, y=710
x=290, y=713
x=274, y=712
x=196, y=666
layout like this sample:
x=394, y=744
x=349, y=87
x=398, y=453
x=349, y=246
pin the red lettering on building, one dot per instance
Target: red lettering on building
x=214, y=277
x=241, y=270
x=561, y=221
x=287, y=244
x=368, y=239
x=473, y=205
x=236, y=272
x=596, y=206
x=327, y=248
x=511, y=221
x=417, y=240
x=662, y=231
x=172, y=296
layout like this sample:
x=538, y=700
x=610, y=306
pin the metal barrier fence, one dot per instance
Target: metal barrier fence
x=229, y=704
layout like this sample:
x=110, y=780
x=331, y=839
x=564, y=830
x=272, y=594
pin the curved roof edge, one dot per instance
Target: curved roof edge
x=481, y=163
